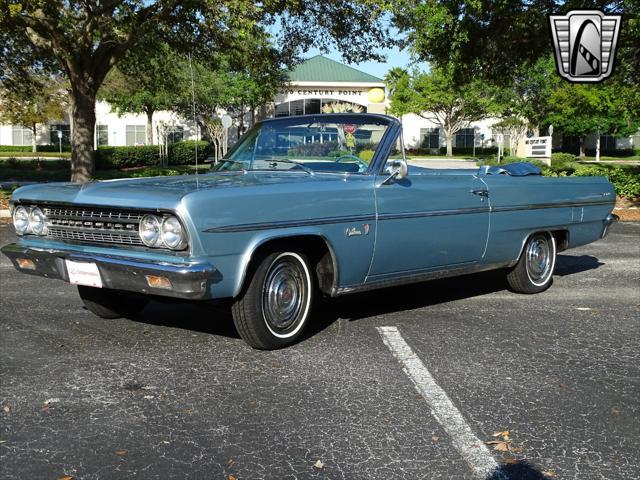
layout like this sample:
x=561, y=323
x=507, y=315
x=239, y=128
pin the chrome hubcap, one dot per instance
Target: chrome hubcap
x=284, y=296
x=539, y=259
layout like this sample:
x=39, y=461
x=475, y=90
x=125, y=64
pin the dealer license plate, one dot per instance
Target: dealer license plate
x=83, y=273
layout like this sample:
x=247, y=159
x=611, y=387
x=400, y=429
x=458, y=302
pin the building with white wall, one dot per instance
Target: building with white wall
x=315, y=86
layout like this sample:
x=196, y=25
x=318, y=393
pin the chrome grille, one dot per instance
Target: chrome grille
x=93, y=225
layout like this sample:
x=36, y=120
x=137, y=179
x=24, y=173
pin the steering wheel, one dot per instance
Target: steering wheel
x=361, y=163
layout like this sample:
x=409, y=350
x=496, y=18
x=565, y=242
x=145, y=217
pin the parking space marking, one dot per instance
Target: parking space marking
x=470, y=447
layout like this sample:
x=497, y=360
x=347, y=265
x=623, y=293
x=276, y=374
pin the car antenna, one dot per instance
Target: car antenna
x=193, y=102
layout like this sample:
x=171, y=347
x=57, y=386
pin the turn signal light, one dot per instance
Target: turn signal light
x=26, y=264
x=155, y=281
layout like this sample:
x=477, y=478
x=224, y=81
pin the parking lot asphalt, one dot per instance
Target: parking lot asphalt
x=175, y=393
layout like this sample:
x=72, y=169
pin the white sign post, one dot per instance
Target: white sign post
x=60, y=140
x=226, y=123
x=538, y=148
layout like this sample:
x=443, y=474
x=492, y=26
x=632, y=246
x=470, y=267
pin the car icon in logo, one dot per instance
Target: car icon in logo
x=585, y=44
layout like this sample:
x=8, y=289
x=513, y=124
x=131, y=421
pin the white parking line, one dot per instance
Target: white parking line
x=466, y=443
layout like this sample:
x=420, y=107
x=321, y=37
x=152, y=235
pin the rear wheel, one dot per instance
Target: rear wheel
x=107, y=303
x=534, y=271
x=275, y=305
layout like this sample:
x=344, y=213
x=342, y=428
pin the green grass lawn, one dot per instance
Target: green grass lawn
x=59, y=172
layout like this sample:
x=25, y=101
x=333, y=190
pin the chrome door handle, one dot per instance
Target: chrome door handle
x=482, y=193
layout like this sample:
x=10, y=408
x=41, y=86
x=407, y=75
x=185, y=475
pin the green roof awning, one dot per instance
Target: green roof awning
x=323, y=69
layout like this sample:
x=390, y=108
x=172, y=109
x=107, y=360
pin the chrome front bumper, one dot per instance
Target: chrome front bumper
x=188, y=280
x=607, y=222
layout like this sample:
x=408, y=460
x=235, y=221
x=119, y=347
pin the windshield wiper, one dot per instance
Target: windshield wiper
x=299, y=164
x=226, y=160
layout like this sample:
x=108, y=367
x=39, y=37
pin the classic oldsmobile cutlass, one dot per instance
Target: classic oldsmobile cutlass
x=301, y=207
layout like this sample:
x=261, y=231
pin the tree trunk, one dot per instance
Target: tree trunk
x=582, y=154
x=83, y=101
x=34, y=149
x=149, y=127
x=449, y=138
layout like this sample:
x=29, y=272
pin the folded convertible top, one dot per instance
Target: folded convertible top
x=519, y=169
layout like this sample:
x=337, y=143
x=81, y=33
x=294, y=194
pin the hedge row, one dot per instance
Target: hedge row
x=39, y=148
x=181, y=153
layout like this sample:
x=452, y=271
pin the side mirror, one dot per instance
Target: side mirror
x=397, y=170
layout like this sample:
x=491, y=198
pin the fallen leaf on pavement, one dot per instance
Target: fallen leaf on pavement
x=231, y=477
x=319, y=465
x=66, y=477
x=121, y=452
x=434, y=439
x=511, y=461
x=6, y=409
x=549, y=473
x=614, y=411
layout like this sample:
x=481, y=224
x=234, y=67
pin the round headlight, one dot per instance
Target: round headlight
x=172, y=233
x=150, y=230
x=21, y=220
x=37, y=222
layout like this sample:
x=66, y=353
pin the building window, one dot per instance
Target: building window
x=136, y=135
x=465, y=138
x=102, y=134
x=175, y=134
x=607, y=142
x=21, y=135
x=312, y=106
x=316, y=105
x=282, y=110
x=430, y=137
x=66, y=133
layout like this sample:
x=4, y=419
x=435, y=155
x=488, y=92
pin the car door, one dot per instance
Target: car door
x=429, y=221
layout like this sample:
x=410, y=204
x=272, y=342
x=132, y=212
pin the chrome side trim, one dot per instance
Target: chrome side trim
x=433, y=213
x=537, y=206
x=417, y=278
x=249, y=227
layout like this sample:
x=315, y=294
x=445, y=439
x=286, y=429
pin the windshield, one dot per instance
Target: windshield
x=308, y=144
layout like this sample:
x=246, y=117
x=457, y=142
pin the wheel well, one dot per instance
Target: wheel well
x=562, y=239
x=314, y=247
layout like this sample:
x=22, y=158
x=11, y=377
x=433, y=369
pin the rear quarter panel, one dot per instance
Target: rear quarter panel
x=523, y=205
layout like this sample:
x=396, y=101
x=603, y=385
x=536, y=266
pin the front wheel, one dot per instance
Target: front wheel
x=275, y=305
x=534, y=271
x=107, y=303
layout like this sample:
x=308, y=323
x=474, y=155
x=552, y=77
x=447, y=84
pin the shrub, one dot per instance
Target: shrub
x=561, y=157
x=15, y=148
x=366, y=155
x=127, y=157
x=338, y=153
x=184, y=153
x=156, y=172
x=626, y=180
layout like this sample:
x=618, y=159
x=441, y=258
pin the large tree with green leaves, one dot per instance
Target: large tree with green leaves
x=579, y=110
x=493, y=40
x=439, y=98
x=85, y=39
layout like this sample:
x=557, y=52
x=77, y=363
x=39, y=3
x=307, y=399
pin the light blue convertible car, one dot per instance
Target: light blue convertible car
x=301, y=207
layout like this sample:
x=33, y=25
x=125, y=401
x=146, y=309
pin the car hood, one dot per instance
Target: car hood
x=156, y=192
